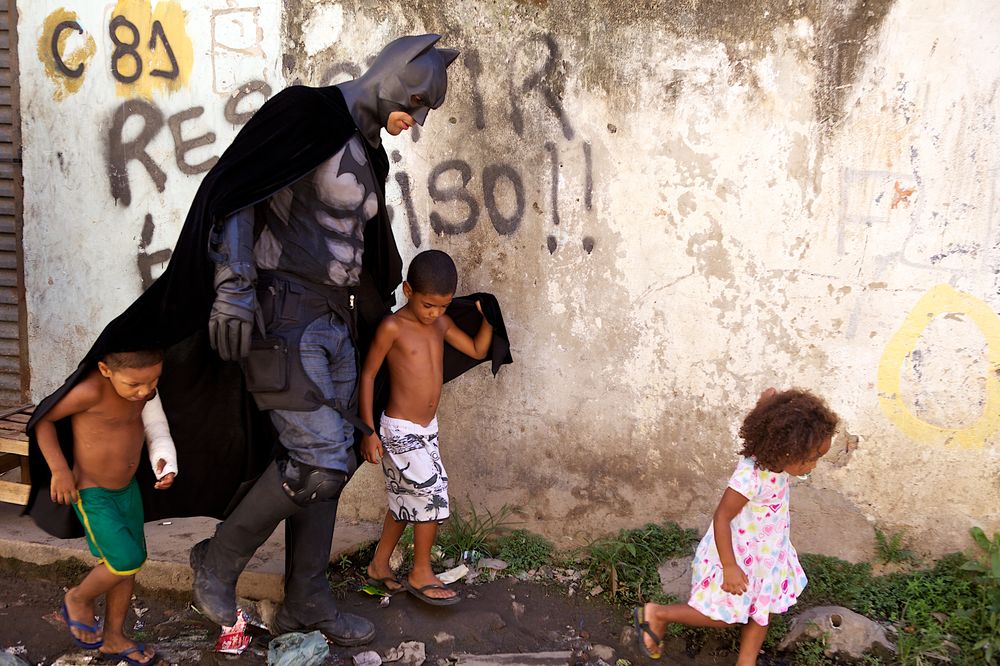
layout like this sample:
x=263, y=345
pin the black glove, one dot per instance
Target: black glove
x=231, y=322
x=232, y=318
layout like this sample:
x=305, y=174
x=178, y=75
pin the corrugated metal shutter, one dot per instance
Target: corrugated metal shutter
x=13, y=339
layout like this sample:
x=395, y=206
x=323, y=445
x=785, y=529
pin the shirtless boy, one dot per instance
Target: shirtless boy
x=106, y=414
x=412, y=342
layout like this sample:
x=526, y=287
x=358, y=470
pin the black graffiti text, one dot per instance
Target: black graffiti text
x=120, y=152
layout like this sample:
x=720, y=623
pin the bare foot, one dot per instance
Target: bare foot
x=83, y=613
x=121, y=646
x=419, y=580
x=384, y=577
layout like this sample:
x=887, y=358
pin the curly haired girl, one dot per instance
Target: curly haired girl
x=745, y=567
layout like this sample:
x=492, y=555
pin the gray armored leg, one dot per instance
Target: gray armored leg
x=309, y=602
x=283, y=490
x=218, y=562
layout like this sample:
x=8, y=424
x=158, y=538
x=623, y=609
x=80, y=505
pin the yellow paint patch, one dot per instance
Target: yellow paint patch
x=941, y=300
x=65, y=70
x=151, y=50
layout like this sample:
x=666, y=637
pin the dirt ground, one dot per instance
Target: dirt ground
x=503, y=616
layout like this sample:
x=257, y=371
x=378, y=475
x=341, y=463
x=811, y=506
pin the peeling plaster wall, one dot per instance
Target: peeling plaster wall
x=118, y=131
x=677, y=206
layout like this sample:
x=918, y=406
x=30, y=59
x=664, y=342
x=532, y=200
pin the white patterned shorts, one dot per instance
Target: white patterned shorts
x=415, y=478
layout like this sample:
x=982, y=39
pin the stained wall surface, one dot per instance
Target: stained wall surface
x=677, y=204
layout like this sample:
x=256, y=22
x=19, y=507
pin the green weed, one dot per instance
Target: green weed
x=833, y=581
x=777, y=629
x=942, y=613
x=812, y=653
x=987, y=576
x=890, y=548
x=883, y=597
x=523, y=551
x=405, y=545
x=473, y=531
x=625, y=565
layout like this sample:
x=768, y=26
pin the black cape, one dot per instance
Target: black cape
x=223, y=441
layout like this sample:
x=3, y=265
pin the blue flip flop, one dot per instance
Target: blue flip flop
x=124, y=656
x=73, y=624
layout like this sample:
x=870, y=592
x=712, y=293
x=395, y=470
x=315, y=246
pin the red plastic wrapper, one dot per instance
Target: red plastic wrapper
x=234, y=639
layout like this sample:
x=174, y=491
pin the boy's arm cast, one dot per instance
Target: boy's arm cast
x=458, y=339
x=80, y=398
x=159, y=443
x=385, y=336
x=734, y=580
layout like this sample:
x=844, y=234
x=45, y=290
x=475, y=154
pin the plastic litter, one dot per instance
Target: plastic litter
x=373, y=590
x=368, y=658
x=451, y=575
x=8, y=659
x=234, y=639
x=491, y=563
x=296, y=649
x=409, y=653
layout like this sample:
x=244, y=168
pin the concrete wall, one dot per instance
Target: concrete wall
x=677, y=206
x=118, y=131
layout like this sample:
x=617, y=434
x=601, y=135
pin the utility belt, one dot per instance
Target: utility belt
x=273, y=370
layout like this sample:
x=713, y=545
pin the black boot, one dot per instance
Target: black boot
x=309, y=603
x=344, y=629
x=218, y=562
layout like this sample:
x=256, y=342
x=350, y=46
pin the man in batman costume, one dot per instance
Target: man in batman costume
x=298, y=281
x=285, y=255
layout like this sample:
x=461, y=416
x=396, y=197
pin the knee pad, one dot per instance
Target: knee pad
x=305, y=484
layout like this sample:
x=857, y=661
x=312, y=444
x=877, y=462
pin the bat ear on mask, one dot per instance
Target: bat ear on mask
x=448, y=55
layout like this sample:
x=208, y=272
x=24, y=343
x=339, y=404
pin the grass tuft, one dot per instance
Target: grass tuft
x=523, y=551
x=469, y=530
x=890, y=548
x=625, y=565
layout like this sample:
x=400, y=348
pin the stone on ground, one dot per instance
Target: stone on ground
x=675, y=577
x=847, y=633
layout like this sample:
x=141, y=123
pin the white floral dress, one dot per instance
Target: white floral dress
x=762, y=548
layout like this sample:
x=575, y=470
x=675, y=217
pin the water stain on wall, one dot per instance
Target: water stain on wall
x=843, y=33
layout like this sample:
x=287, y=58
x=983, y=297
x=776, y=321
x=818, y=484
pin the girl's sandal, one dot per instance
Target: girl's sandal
x=642, y=630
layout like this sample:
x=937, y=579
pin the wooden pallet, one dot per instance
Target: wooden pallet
x=14, y=452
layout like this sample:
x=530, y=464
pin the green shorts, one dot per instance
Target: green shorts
x=113, y=521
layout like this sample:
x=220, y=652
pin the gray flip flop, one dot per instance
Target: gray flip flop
x=418, y=592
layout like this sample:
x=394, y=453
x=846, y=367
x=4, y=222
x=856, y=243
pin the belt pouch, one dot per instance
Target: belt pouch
x=266, y=368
